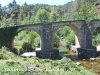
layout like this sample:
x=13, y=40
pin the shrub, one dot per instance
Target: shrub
x=37, y=42
x=27, y=47
x=65, y=60
x=56, y=41
x=96, y=40
x=4, y=54
x=70, y=39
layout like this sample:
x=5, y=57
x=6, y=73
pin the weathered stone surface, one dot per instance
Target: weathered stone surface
x=47, y=54
x=86, y=53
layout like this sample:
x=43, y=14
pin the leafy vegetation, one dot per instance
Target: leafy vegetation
x=42, y=15
x=16, y=65
x=56, y=41
x=96, y=37
x=27, y=40
x=74, y=10
x=70, y=39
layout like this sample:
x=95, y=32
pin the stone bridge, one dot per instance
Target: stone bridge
x=83, y=36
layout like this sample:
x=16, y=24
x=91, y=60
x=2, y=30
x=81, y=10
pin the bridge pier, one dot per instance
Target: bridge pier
x=47, y=50
x=86, y=50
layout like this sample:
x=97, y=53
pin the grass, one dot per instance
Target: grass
x=37, y=66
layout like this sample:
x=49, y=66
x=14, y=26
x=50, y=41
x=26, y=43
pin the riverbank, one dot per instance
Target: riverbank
x=92, y=64
x=11, y=64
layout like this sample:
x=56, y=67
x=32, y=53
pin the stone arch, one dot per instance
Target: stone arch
x=94, y=25
x=25, y=28
x=75, y=26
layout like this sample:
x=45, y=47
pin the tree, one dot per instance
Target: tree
x=85, y=9
x=1, y=12
x=96, y=37
x=62, y=32
x=27, y=40
x=53, y=15
x=56, y=41
x=70, y=39
x=42, y=15
x=30, y=37
x=13, y=7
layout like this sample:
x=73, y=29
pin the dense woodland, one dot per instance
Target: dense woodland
x=74, y=10
x=71, y=10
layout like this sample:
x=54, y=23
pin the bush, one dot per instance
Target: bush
x=96, y=40
x=37, y=42
x=21, y=50
x=5, y=53
x=27, y=47
x=70, y=39
x=65, y=60
x=56, y=41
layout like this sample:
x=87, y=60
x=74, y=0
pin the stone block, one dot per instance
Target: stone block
x=48, y=54
x=86, y=53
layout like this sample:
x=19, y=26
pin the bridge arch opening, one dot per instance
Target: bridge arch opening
x=26, y=41
x=71, y=36
x=96, y=38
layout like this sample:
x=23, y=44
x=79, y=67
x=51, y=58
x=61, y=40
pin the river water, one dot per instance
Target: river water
x=91, y=65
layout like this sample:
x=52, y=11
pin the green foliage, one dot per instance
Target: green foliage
x=27, y=39
x=39, y=66
x=86, y=10
x=29, y=14
x=21, y=35
x=96, y=37
x=5, y=53
x=25, y=46
x=63, y=31
x=30, y=37
x=65, y=60
x=6, y=22
x=70, y=39
x=56, y=41
x=37, y=41
x=96, y=40
x=54, y=14
x=42, y=15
